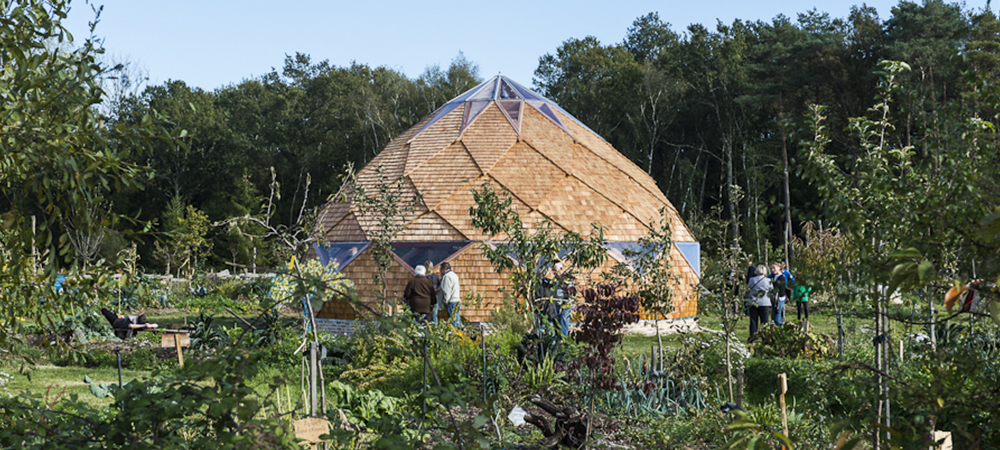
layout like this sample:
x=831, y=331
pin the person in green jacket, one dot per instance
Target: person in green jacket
x=800, y=293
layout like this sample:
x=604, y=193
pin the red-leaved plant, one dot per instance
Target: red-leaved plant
x=604, y=316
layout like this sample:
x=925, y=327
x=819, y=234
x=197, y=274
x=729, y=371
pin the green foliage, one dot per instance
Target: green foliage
x=86, y=325
x=359, y=406
x=207, y=404
x=790, y=341
x=140, y=358
x=507, y=319
x=685, y=429
x=94, y=358
x=543, y=375
x=59, y=161
x=186, y=228
x=205, y=337
x=377, y=359
x=762, y=379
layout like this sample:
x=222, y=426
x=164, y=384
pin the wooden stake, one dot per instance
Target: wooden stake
x=782, y=389
x=180, y=353
x=739, y=388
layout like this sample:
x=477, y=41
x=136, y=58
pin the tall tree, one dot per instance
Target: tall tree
x=59, y=161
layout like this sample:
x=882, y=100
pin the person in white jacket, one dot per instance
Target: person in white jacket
x=760, y=304
x=449, y=294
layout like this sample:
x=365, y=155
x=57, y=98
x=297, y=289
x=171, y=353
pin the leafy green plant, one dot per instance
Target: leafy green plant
x=543, y=375
x=789, y=341
x=140, y=358
x=507, y=317
x=87, y=324
x=205, y=337
x=207, y=404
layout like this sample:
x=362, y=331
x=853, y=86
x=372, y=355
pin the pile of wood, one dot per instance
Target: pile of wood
x=569, y=429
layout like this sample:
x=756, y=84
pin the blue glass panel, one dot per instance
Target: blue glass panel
x=524, y=92
x=416, y=253
x=507, y=92
x=472, y=111
x=512, y=109
x=341, y=252
x=692, y=253
x=487, y=90
x=627, y=252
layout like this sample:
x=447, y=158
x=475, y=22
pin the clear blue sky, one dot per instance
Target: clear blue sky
x=213, y=43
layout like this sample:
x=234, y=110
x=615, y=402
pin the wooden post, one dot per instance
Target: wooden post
x=782, y=389
x=313, y=407
x=180, y=353
x=739, y=388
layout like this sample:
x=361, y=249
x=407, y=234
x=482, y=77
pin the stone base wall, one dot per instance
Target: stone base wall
x=341, y=327
x=338, y=327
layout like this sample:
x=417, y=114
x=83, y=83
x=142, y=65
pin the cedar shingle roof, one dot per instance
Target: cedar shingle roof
x=499, y=131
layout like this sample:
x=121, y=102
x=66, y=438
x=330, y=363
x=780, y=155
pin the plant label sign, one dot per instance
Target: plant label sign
x=310, y=429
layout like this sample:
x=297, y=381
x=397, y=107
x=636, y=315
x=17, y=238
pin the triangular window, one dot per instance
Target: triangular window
x=340, y=252
x=507, y=92
x=628, y=252
x=416, y=253
x=473, y=111
x=487, y=92
x=512, y=109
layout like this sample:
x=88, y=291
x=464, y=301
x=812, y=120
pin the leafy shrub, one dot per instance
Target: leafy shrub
x=205, y=337
x=98, y=357
x=508, y=318
x=378, y=358
x=788, y=341
x=280, y=353
x=208, y=404
x=762, y=378
x=140, y=358
x=86, y=325
x=361, y=406
x=604, y=316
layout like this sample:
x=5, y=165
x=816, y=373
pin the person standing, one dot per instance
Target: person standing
x=436, y=281
x=450, y=295
x=559, y=291
x=419, y=294
x=760, y=303
x=800, y=293
x=782, y=281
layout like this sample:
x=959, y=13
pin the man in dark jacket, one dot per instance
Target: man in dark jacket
x=419, y=294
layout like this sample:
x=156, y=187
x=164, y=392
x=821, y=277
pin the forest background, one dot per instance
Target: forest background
x=698, y=109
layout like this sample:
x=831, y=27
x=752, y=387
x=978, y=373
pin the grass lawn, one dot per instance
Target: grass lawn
x=822, y=320
x=54, y=382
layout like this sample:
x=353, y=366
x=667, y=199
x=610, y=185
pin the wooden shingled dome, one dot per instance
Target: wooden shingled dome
x=553, y=166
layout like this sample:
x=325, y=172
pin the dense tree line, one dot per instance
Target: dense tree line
x=308, y=121
x=703, y=110
x=712, y=115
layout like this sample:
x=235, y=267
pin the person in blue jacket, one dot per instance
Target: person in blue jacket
x=782, y=281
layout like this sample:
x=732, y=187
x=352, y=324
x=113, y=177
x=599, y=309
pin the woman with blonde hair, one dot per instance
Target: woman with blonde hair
x=760, y=304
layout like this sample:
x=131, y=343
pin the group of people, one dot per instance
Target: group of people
x=425, y=294
x=769, y=291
